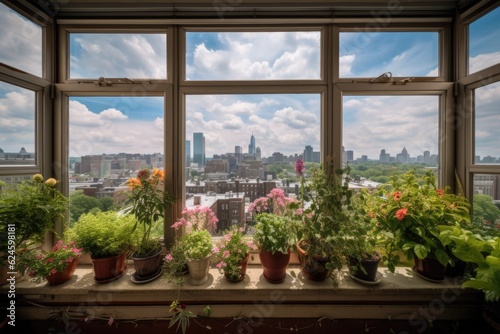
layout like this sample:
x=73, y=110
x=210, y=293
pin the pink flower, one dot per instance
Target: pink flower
x=110, y=321
x=221, y=264
x=53, y=271
x=299, y=167
x=401, y=213
x=215, y=249
x=169, y=257
x=69, y=259
x=225, y=254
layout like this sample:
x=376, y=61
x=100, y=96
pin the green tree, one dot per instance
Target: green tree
x=79, y=203
x=106, y=203
x=484, y=210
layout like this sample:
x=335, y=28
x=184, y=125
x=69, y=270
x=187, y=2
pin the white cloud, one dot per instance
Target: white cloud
x=345, y=65
x=483, y=61
x=21, y=42
x=111, y=131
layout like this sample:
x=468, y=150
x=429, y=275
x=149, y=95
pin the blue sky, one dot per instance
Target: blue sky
x=280, y=123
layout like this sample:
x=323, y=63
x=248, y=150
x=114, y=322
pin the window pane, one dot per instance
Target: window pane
x=21, y=42
x=242, y=146
x=484, y=49
x=17, y=125
x=367, y=54
x=486, y=204
x=118, y=55
x=390, y=131
x=253, y=55
x=111, y=138
x=487, y=124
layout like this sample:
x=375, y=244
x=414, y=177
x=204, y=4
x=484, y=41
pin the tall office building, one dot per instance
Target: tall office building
x=251, y=147
x=188, y=152
x=199, y=148
x=308, y=153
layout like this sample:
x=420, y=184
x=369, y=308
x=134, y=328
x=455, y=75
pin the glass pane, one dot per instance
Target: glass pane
x=253, y=55
x=17, y=125
x=367, y=54
x=243, y=146
x=21, y=42
x=118, y=55
x=487, y=124
x=384, y=133
x=484, y=49
x=110, y=139
x=486, y=204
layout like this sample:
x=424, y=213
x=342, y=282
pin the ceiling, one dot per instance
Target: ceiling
x=245, y=8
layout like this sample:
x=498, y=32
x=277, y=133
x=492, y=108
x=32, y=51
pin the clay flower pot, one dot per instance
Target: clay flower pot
x=63, y=276
x=274, y=265
x=109, y=268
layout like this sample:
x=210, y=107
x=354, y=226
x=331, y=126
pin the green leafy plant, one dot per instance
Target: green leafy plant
x=40, y=264
x=104, y=234
x=231, y=250
x=33, y=206
x=274, y=233
x=197, y=245
x=148, y=204
x=327, y=199
x=406, y=213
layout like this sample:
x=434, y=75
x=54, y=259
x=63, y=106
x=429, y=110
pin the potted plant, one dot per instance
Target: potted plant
x=148, y=202
x=274, y=236
x=320, y=238
x=108, y=237
x=484, y=254
x=32, y=207
x=232, y=253
x=56, y=265
x=360, y=246
x=197, y=223
x=407, y=212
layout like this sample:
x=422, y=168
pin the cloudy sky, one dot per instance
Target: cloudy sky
x=280, y=123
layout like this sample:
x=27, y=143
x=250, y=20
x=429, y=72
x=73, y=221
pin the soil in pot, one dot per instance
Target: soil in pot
x=274, y=265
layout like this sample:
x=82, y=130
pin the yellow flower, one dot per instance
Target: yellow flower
x=158, y=173
x=38, y=177
x=133, y=182
x=51, y=182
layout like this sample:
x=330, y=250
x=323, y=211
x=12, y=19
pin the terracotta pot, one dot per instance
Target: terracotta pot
x=63, y=276
x=242, y=271
x=198, y=270
x=313, y=266
x=429, y=268
x=370, y=266
x=146, y=267
x=274, y=265
x=110, y=268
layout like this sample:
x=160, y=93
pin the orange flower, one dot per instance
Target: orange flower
x=133, y=182
x=158, y=173
x=440, y=192
x=401, y=214
x=397, y=195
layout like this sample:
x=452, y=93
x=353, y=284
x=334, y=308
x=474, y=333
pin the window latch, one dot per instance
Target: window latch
x=102, y=82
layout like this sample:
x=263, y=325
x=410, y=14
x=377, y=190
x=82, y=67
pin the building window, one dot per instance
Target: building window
x=21, y=43
x=370, y=54
x=487, y=124
x=238, y=55
x=484, y=49
x=118, y=55
x=17, y=125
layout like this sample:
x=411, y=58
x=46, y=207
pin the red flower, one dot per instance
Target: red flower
x=401, y=214
x=440, y=192
x=397, y=195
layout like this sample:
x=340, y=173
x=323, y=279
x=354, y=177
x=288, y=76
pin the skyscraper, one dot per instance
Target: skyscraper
x=199, y=148
x=188, y=152
x=308, y=153
x=251, y=147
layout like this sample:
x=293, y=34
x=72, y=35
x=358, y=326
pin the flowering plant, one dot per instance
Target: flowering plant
x=276, y=202
x=148, y=203
x=32, y=206
x=406, y=213
x=42, y=264
x=231, y=251
x=196, y=219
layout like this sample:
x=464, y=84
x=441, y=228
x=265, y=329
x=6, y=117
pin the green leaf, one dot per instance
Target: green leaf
x=420, y=251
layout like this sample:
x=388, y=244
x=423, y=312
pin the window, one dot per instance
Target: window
x=17, y=125
x=487, y=124
x=21, y=42
x=369, y=54
x=239, y=56
x=118, y=55
x=484, y=49
x=110, y=139
x=486, y=202
x=392, y=130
